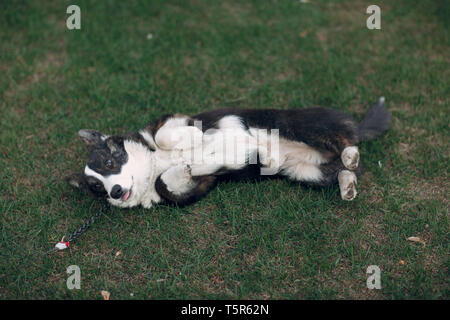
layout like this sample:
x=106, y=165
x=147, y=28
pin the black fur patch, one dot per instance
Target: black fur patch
x=91, y=185
x=327, y=130
x=203, y=185
x=107, y=158
x=137, y=137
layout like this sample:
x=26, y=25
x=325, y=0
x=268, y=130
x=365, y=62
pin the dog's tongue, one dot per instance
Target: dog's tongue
x=125, y=197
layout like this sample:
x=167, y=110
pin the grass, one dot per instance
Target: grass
x=268, y=240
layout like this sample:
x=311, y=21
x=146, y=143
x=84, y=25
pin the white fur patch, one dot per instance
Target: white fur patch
x=231, y=122
x=300, y=161
x=296, y=160
x=300, y=171
x=164, y=136
x=179, y=138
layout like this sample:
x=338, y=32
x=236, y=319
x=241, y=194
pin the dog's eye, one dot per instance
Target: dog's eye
x=108, y=163
x=97, y=186
x=116, y=154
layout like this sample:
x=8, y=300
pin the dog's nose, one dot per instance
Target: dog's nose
x=116, y=191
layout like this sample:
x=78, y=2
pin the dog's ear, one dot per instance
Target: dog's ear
x=81, y=182
x=115, y=144
x=91, y=137
x=77, y=180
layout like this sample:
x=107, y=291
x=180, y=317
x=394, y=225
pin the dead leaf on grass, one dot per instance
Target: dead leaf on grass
x=105, y=295
x=417, y=239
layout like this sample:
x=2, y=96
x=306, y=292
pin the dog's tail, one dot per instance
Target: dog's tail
x=376, y=121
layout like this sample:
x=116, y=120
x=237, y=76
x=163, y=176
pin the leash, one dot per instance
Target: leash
x=61, y=245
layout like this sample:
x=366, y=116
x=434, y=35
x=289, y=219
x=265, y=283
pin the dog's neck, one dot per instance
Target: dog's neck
x=149, y=165
x=146, y=172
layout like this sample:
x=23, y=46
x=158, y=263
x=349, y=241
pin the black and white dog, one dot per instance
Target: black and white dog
x=178, y=159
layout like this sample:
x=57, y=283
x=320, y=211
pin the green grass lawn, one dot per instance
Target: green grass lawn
x=267, y=240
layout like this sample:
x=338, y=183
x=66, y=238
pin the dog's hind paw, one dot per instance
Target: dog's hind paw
x=347, y=185
x=350, y=157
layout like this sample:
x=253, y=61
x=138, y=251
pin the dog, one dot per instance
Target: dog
x=178, y=159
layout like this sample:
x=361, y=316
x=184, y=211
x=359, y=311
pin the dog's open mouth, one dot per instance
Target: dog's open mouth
x=126, y=195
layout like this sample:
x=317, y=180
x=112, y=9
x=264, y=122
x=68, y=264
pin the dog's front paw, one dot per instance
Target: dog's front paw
x=187, y=171
x=179, y=138
x=180, y=172
x=178, y=179
x=183, y=171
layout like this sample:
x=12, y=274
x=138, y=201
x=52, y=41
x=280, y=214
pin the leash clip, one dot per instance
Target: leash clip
x=60, y=246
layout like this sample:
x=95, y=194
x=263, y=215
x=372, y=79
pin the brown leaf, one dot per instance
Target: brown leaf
x=303, y=34
x=417, y=239
x=105, y=294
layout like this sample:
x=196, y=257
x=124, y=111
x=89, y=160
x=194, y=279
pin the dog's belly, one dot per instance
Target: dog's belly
x=294, y=159
x=232, y=147
x=221, y=149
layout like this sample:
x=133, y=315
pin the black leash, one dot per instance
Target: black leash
x=73, y=236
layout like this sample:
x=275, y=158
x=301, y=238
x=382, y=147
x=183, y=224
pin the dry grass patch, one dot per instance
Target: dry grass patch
x=436, y=189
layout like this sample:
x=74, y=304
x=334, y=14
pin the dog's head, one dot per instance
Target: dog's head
x=108, y=171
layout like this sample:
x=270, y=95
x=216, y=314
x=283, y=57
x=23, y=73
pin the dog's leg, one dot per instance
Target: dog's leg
x=178, y=179
x=177, y=134
x=177, y=185
x=350, y=157
x=347, y=184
